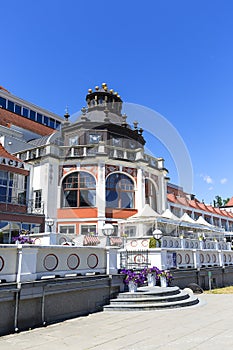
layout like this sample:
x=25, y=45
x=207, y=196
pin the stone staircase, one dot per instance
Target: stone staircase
x=152, y=298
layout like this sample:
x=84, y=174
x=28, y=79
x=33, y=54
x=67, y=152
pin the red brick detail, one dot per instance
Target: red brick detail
x=8, y=118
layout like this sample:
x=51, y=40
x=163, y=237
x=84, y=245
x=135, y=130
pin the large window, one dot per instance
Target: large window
x=150, y=194
x=119, y=191
x=12, y=188
x=88, y=229
x=79, y=190
x=66, y=229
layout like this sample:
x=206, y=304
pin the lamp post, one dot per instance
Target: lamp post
x=157, y=234
x=50, y=223
x=108, y=230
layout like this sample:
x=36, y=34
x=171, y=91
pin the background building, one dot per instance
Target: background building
x=95, y=170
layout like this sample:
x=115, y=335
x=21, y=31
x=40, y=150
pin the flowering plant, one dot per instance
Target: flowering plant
x=135, y=276
x=155, y=270
x=23, y=239
x=166, y=274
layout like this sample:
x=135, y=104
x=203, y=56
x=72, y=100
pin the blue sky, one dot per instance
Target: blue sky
x=173, y=57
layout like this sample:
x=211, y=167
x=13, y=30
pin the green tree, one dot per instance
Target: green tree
x=219, y=201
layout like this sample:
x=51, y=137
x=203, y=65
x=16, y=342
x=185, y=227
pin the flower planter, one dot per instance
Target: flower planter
x=151, y=280
x=163, y=281
x=132, y=286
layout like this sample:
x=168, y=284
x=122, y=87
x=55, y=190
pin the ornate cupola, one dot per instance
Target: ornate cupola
x=104, y=99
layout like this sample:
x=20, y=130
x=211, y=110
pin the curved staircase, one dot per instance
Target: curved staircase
x=152, y=298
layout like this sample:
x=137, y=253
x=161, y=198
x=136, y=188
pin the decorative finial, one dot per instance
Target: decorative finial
x=104, y=84
x=67, y=115
x=97, y=88
x=84, y=110
x=111, y=91
x=90, y=91
x=135, y=124
x=106, y=111
x=124, y=117
x=141, y=131
x=105, y=88
x=116, y=93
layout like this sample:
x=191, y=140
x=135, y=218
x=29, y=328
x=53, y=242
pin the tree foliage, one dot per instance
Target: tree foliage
x=219, y=201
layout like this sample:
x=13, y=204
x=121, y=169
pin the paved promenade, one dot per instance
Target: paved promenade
x=208, y=326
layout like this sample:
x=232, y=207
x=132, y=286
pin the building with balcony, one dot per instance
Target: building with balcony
x=95, y=170
x=17, y=211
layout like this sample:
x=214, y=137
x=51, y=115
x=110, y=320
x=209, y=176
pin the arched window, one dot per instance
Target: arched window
x=150, y=194
x=119, y=191
x=78, y=190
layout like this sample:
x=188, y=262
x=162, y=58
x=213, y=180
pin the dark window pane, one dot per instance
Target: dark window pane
x=18, y=109
x=46, y=120
x=3, y=102
x=32, y=115
x=3, y=194
x=87, y=198
x=70, y=198
x=25, y=112
x=119, y=191
x=57, y=125
x=39, y=118
x=52, y=123
x=10, y=106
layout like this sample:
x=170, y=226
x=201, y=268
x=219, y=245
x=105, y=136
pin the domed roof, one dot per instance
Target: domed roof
x=100, y=116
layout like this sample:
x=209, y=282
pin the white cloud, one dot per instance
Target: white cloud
x=207, y=179
x=211, y=188
x=223, y=181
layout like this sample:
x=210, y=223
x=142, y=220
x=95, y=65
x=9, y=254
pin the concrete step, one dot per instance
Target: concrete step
x=152, y=298
x=148, y=299
x=192, y=300
x=147, y=292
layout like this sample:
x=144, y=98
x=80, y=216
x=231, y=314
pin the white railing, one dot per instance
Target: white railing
x=20, y=263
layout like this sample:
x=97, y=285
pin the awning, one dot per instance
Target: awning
x=91, y=240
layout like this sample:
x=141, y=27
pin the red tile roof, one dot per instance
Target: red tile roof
x=8, y=118
x=195, y=204
x=5, y=154
x=182, y=200
x=229, y=203
x=171, y=197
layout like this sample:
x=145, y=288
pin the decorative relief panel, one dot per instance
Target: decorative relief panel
x=92, y=168
x=130, y=171
x=111, y=168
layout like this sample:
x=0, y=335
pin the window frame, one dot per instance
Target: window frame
x=73, y=183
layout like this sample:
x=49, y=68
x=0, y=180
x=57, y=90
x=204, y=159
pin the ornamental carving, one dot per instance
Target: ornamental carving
x=130, y=171
x=111, y=168
x=93, y=169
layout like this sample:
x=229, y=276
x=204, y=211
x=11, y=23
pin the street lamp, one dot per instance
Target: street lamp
x=108, y=230
x=157, y=234
x=50, y=223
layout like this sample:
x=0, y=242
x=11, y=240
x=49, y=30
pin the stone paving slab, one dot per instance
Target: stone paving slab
x=202, y=327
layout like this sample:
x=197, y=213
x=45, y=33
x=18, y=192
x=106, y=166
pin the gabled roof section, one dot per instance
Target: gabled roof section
x=5, y=154
x=229, y=203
